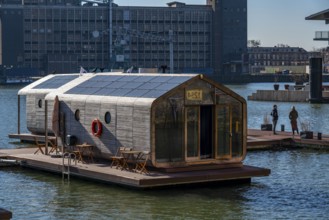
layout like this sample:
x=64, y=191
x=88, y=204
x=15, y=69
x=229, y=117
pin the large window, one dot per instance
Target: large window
x=223, y=131
x=169, y=129
x=232, y=123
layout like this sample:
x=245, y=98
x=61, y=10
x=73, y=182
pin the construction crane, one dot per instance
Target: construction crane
x=133, y=33
x=109, y=2
x=122, y=32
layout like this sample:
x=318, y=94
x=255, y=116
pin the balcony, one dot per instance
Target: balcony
x=322, y=35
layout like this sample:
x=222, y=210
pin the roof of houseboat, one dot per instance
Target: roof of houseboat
x=129, y=85
x=47, y=84
x=108, y=84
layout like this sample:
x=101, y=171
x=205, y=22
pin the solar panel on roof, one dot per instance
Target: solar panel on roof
x=180, y=79
x=144, y=78
x=55, y=82
x=137, y=93
x=90, y=91
x=153, y=94
x=161, y=79
x=76, y=90
x=120, y=92
x=104, y=92
x=166, y=86
x=146, y=86
x=132, y=85
x=129, y=78
x=117, y=85
x=107, y=78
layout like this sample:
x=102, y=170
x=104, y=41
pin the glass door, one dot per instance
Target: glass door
x=192, y=133
x=206, y=132
x=224, y=132
x=199, y=132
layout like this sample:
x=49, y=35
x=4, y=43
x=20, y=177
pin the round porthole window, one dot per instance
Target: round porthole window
x=40, y=103
x=107, y=117
x=77, y=115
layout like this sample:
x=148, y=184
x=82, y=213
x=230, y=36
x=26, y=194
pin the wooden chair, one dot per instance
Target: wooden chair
x=39, y=145
x=78, y=156
x=53, y=145
x=118, y=159
x=141, y=162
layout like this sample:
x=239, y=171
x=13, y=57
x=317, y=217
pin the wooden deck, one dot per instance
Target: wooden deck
x=102, y=171
x=261, y=140
x=256, y=140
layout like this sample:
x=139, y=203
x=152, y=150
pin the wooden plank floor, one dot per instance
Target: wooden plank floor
x=258, y=139
x=103, y=172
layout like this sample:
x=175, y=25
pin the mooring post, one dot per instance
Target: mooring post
x=315, y=80
x=46, y=127
x=18, y=114
x=5, y=214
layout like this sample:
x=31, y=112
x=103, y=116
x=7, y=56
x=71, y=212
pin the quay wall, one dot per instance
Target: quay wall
x=284, y=95
x=260, y=78
x=280, y=95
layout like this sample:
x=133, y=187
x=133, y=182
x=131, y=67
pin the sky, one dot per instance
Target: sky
x=272, y=22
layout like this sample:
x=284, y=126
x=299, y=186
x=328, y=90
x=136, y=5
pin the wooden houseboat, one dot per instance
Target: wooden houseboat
x=183, y=120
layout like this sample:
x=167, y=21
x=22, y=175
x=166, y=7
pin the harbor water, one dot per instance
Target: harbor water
x=296, y=189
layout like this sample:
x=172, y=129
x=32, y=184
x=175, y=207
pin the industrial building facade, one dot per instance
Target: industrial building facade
x=63, y=35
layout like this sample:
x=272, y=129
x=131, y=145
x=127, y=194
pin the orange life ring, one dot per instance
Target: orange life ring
x=96, y=127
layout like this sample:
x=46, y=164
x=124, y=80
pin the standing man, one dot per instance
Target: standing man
x=293, y=115
x=275, y=117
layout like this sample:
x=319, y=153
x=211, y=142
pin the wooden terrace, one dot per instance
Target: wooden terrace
x=103, y=172
x=262, y=140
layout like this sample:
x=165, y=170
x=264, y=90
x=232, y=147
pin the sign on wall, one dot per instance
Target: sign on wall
x=194, y=95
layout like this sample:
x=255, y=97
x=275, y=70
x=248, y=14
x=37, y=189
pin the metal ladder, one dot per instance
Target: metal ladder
x=66, y=168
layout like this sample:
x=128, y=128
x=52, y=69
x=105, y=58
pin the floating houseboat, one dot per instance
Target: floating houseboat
x=183, y=120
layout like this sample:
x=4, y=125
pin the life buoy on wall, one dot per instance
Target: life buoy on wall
x=96, y=127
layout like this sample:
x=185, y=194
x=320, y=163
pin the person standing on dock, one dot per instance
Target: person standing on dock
x=293, y=115
x=275, y=117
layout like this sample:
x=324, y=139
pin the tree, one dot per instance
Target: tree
x=282, y=45
x=253, y=43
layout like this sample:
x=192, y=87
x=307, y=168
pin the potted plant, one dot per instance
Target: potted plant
x=276, y=85
x=266, y=126
x=306, y=132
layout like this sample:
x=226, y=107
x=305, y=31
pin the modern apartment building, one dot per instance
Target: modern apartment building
x=62, y=35
x=322, y=35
